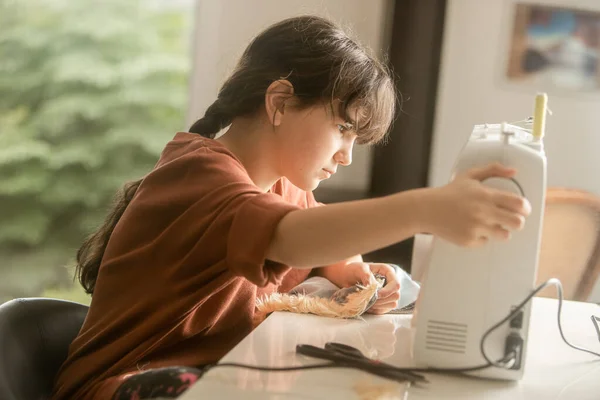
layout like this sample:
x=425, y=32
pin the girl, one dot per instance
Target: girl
x=176, y=267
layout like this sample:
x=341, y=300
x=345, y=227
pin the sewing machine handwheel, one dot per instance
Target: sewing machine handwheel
x=508, y=185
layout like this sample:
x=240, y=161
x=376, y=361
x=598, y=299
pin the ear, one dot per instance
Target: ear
x=277, y=93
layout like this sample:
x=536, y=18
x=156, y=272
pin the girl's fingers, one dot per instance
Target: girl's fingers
x=512, y=202
x=508, y=220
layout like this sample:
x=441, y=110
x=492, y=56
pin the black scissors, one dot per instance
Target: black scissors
x=344, y=355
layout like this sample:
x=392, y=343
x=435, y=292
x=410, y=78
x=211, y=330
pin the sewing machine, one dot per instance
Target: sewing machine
x=465, y=291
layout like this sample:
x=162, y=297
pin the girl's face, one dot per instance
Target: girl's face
x=312, y=144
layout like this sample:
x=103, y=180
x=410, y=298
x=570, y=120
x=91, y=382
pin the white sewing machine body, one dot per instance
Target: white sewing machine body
x=465, y=291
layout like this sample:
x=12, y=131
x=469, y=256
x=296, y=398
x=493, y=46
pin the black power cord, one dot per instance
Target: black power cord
x=506, y=362
x=517, y=309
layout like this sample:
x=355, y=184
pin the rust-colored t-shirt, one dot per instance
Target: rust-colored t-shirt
x=182, y=270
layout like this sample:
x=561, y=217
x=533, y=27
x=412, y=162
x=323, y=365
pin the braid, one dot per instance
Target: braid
x=216, y=118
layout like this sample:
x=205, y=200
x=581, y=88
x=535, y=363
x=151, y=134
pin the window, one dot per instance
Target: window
x=90, y=91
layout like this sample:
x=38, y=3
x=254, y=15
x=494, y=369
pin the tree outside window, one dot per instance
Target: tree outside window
x=90, y=92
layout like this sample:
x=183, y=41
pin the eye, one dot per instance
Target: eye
x=342, y=128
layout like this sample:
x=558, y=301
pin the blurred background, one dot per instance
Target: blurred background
x=91, y=91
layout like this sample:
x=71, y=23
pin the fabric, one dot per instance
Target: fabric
x=348, y=302
x=319, y=296
x=184, y=265
x=160, y=383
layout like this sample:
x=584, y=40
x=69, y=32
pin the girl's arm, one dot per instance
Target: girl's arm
x=464, y=212
x=325, y=235
x=337, y=272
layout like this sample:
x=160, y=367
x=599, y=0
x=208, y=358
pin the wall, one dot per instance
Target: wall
x=224, y=28
x=472, y=90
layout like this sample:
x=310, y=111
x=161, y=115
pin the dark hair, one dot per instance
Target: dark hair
x=321, y=62
x=89, y=255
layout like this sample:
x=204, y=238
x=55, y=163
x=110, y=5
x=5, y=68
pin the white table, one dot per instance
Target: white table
x=553, y=369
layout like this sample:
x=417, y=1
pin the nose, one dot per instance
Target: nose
x=344, y=155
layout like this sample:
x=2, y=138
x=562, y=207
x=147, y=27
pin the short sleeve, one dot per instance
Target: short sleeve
x=203, y=207
x=253, y=229
x=251, y=232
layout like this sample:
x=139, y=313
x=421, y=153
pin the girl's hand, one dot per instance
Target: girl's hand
x=468, y=213
x=388, y=296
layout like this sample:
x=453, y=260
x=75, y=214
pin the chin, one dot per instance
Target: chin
x=308, y=185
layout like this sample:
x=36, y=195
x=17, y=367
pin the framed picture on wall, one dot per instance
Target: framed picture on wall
x=555, y=47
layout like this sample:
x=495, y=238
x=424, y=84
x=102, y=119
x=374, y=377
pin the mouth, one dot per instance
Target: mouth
x=328, y=172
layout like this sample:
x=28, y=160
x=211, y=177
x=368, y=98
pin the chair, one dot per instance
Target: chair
x=570, y=246
x=35, y=335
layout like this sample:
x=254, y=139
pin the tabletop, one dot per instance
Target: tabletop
x=553, y=370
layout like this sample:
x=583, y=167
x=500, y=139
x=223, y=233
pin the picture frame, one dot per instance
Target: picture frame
x=553, y=47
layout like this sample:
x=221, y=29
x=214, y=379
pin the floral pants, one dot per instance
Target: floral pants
x=159, y=383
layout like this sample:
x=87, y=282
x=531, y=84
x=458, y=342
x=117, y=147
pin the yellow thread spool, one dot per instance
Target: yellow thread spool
x=539, y=116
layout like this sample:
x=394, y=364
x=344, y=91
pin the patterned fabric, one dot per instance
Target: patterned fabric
x=162, y=383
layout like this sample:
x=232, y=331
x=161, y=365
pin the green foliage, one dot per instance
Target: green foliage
x=90, y=91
